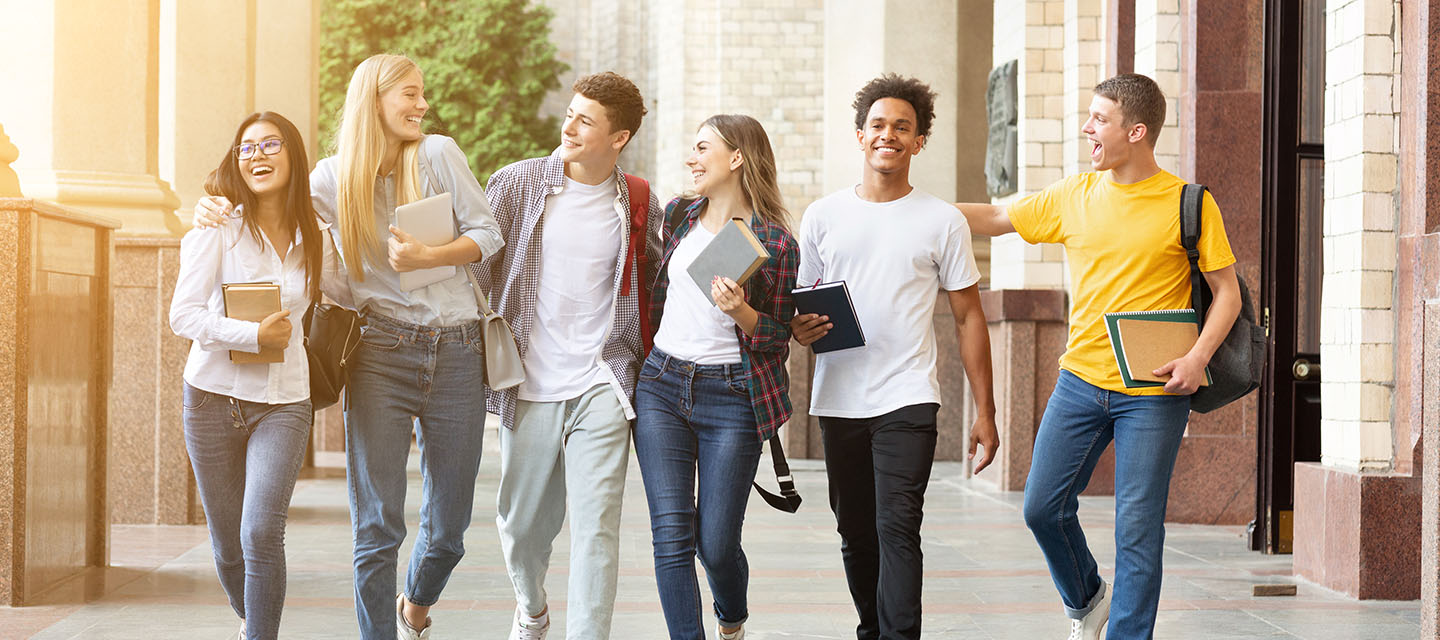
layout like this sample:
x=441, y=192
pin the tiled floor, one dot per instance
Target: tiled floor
x=984, y=577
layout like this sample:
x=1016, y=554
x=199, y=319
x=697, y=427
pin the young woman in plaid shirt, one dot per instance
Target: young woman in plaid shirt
x=714, y=388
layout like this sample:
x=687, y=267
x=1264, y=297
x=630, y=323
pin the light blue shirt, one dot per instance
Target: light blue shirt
x=442, y=168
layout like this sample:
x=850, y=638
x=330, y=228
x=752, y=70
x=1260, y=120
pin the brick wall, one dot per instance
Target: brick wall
x=1357, y=323
x=1035, y=37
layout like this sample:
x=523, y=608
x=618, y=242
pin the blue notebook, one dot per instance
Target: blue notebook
x=832, y=299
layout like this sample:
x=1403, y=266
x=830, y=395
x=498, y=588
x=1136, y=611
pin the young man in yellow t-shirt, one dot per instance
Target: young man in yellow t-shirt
x=1120, y=225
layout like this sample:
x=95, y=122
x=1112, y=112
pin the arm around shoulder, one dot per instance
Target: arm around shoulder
x=986, y=219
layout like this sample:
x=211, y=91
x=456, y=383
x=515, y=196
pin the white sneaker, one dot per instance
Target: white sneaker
x=242, y=629
x=1091, y=626
x=403, y=630
x=528, y=628
x=738, y=634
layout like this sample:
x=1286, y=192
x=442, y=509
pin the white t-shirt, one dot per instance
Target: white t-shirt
x=694, y=329
x=574, y=304
x=895, y=257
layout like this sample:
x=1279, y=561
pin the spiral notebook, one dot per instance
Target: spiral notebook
x=1146, y=340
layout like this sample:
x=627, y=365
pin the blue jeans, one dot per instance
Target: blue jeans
x=402, y=370
x=696, y=420
x=1080, y=420
x=246, y=456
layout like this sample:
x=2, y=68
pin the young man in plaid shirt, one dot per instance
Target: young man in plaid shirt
x=894, y=246
x=567, y=284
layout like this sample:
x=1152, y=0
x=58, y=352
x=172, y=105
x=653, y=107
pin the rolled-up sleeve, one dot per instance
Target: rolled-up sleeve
x=190, y=314
x=472, y=210
x=334, y=280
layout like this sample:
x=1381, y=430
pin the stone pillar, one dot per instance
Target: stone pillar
x=1417, y=299
x=1027, y=336
x=114, y=103
x=1356, y=517
x=9, y=182
x=1157, y=54
x=1220, y=113
x=86, y=114
x=55, y=331
x=1082, y=55
x=1035, y=37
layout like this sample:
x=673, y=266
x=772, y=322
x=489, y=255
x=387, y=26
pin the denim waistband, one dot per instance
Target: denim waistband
x=667, y=361
x=410, y=331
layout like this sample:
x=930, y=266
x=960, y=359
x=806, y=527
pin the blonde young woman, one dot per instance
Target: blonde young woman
x=246, y=425
x=420, y=352
x=714, y=388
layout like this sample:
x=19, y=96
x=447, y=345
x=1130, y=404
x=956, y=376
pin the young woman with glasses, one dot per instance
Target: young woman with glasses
x=714, y=388
x=421, y=349
x=246, y=424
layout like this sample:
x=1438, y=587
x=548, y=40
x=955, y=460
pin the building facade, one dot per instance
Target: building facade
x=1311, y=120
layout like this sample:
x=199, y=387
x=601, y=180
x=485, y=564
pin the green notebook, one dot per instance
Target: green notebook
x=1145, y=340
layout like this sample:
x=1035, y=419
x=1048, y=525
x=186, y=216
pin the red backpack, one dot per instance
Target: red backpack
x=635, y=258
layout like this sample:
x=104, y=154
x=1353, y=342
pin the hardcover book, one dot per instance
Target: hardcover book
x=734, y=253
x=252, y=302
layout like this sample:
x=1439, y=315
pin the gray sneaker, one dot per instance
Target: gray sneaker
x=403, y=630
x=1093, y=624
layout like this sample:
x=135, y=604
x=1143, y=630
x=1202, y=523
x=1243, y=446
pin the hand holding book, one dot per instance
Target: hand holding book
x=275, y=330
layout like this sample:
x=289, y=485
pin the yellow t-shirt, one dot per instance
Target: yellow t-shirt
x=1123, y=245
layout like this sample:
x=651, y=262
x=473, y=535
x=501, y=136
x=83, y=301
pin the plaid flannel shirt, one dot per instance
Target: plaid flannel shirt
x=517, y=196
x=769, y=292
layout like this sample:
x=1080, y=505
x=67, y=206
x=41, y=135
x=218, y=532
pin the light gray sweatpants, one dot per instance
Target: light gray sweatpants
x=569, y=453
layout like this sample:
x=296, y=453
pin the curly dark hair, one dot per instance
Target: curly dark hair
x=623, y=104
x=891, y=85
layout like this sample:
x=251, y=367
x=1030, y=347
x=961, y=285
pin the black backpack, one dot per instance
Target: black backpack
x=1238, y=363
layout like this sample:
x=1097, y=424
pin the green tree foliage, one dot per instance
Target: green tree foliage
x=487, y=64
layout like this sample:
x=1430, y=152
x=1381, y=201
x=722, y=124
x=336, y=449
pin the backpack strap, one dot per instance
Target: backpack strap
x=789, y=499
x=677, y=214
x=1192, y=197
x=635, y=259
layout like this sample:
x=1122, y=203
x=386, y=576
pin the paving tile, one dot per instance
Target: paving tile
x=985, y=578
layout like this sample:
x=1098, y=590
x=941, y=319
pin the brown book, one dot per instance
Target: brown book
x=1145, y=341
x=253, y=302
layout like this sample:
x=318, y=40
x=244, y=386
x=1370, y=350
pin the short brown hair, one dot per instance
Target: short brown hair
x=1140, y=100
x=621, y=99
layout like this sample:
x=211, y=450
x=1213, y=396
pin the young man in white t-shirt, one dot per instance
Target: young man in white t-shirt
x=895, y=246
x=567, y=284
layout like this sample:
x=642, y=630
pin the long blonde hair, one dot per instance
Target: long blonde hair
x=360, y=146
x=757, y=173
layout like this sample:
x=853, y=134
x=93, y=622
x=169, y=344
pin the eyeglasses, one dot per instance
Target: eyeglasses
x=268, y=146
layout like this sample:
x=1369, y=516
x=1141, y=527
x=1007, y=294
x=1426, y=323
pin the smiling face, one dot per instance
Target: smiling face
x=586, y=135
x=712, y=163
x=889, y=138
x=1111, y=139
x=402, y=108
x=265, y=174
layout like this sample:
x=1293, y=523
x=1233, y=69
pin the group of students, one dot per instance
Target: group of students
x=550, y=241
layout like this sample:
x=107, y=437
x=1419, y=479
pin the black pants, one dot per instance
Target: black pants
x=878, y=470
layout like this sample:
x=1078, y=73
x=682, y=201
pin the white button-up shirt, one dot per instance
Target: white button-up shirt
x=230, y=254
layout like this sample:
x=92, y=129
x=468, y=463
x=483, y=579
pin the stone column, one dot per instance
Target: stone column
x=9, y=182
x=1220, y=114
x=1157, y=54
x=85, y=116
x=1035, y=37
x=1356, y=517
x=1083, y=57
x=1417, y=299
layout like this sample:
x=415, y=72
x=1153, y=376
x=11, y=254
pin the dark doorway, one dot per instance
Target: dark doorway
x=1293, y=187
